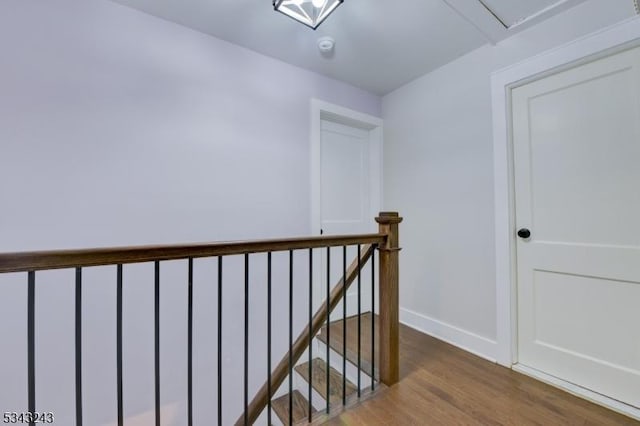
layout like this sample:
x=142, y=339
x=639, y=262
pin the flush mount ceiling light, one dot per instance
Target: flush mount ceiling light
x=310, y=12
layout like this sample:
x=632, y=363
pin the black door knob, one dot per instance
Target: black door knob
x=524, y=233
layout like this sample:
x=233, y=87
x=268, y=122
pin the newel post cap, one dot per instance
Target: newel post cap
x=389, y=218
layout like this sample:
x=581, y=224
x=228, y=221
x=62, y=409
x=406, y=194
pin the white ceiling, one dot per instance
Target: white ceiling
x=380, y=45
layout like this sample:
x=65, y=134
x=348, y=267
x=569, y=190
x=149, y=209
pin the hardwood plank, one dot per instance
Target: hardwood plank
x=444, y=385
x=321, y=417
x=319, y=380
x=300, y=408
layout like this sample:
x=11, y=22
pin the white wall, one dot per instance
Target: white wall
x=439, y=174
x=119, y=128
x=117, y=123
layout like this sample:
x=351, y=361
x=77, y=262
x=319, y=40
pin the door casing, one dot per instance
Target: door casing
x=321, y=110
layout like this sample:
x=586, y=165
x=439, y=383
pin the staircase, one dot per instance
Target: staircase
x=340, y=371
x=340, y=391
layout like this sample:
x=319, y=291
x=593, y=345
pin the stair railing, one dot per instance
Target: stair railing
x=386, y=241
x=389, y=324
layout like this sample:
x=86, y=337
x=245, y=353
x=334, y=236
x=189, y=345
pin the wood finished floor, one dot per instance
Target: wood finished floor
x=443, y=385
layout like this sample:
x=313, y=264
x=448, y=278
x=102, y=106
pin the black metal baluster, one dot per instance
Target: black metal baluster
x=157, y=340
x=246, y=338
x=31, y=342
x=328, y=326
x=190, y=346
x=290, y=337
x=220, y=341
x=269, y=337
x=78, y=347
x=119, y=344
x=310, y=408
x=373, y=317
x=344, y=325
x=359, y=322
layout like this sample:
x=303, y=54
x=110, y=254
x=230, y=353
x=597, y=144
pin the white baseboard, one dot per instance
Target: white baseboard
x=580, y=392
x=470, y=342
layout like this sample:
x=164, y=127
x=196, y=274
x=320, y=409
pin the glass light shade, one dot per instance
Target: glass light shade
x=310, y=12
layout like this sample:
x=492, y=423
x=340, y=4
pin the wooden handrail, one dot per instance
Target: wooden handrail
x=281, y=371
x=59, y=259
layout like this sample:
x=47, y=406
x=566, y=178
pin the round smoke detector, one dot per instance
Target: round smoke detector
x=326, y=45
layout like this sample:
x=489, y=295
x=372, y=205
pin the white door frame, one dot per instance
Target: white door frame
x=321, y=110
x=610, y=40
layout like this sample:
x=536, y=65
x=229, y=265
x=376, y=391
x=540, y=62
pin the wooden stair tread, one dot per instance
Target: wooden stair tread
x=300, y=408
x=352, y=340
x=319, y=381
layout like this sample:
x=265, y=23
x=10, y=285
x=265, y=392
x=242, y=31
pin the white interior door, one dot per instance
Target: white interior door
x=344, y=179
x=576, y=137
x=345, y=191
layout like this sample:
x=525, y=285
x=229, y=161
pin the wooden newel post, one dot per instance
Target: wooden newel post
x=389, y=316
